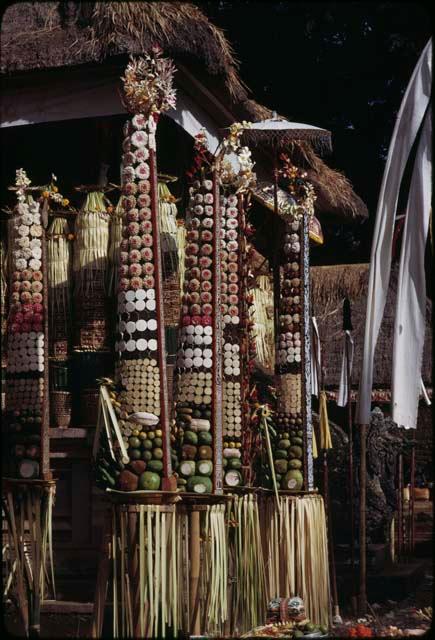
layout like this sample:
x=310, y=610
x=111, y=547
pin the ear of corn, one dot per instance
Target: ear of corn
x=92, y=242
x=168, y=230
x=59, y=263
x=263, y=321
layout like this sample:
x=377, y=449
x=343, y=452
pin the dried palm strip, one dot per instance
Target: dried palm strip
x=142, y=569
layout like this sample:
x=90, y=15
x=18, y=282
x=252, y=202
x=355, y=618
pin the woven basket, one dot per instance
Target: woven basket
x=61, y=406
x=88, y=407
x=172, y=300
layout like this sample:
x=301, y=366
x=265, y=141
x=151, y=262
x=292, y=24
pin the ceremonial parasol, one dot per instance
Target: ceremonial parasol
x=278, y=133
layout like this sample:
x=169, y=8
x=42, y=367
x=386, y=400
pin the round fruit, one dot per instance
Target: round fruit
x=280, y=453
x=205, y=437
x=149, y=481
x=295, y=452
x=158, y=442
x=147, y=444
x=134, y=442
x=284, y=444
x=147, y=455
x=295, y=464
x=292, y=480
x=134, y=454
x=158, y=454
x=190, y=437
x=205, y=452
x=281, y=466
x=155, y=465
x=234, y=463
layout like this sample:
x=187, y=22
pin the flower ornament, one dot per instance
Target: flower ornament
x=149, y=85
x=299, y=187
x=22, y=181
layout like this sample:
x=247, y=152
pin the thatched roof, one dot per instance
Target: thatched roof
x=38, y=35
x=330, y=285
x=49, y=35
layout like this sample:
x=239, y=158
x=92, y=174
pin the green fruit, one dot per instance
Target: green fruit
x=323, y=628
x=151, y=435
x=298, y=633
x=300, y=433
x=134, y=454
x=295, y=452
x=205, y=437
x=199, y=484
x=147, y=455
x=234, y=463
x=310, y=627
x=283, y=444
x=278, y=477
x=298, y=441
x=225, y=463
x=280, y=453
x=155, y=465
x=295, y=464
x=134, y=442
x=147, y=444
x=190, y=437
x=158, y=453
x=187, y=468
x=292, y=480
x=280, y=466
x=204, y=467
x=196, y=413
x=158, y=442
x=149, y=481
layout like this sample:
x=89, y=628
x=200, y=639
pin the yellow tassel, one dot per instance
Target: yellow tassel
x=314, y=445
x=325, y=435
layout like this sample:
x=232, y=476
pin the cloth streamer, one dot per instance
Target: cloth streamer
x=316, y=357
x=409, y=119
x=325, y=434
x=342, y=390
x=410, y=319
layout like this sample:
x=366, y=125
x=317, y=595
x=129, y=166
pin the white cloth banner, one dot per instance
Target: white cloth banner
x=409, y=119
x=410, y=318
x=348, y=349
x=316, y=358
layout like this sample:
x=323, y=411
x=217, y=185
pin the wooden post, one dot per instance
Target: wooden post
x=412, y=503
x=362, y=523
x=330, y=536
x=400, y=507
x=103, y=573
x=195, y=562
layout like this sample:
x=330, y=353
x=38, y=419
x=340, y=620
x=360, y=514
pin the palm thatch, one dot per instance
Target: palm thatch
x=49, y=35
x=54, y=34
x=330, y=286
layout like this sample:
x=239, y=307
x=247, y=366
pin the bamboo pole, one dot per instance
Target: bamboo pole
x=351, y=472
x=195, y=561
x=362, y=523
x=412, y=503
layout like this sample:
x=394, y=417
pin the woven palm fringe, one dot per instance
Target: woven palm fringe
x=114, y=257
x=28, y=552
x=263, y=321
x=59, y=269
x=155, y=589
x=297, y=553
x=92, y=244
x=247, y=599
x=214, y=570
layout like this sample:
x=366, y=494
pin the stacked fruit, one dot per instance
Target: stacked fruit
x=288, y=444
x=195, y=354
x=137, y=342
x=26, y=340
x=232, y=249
